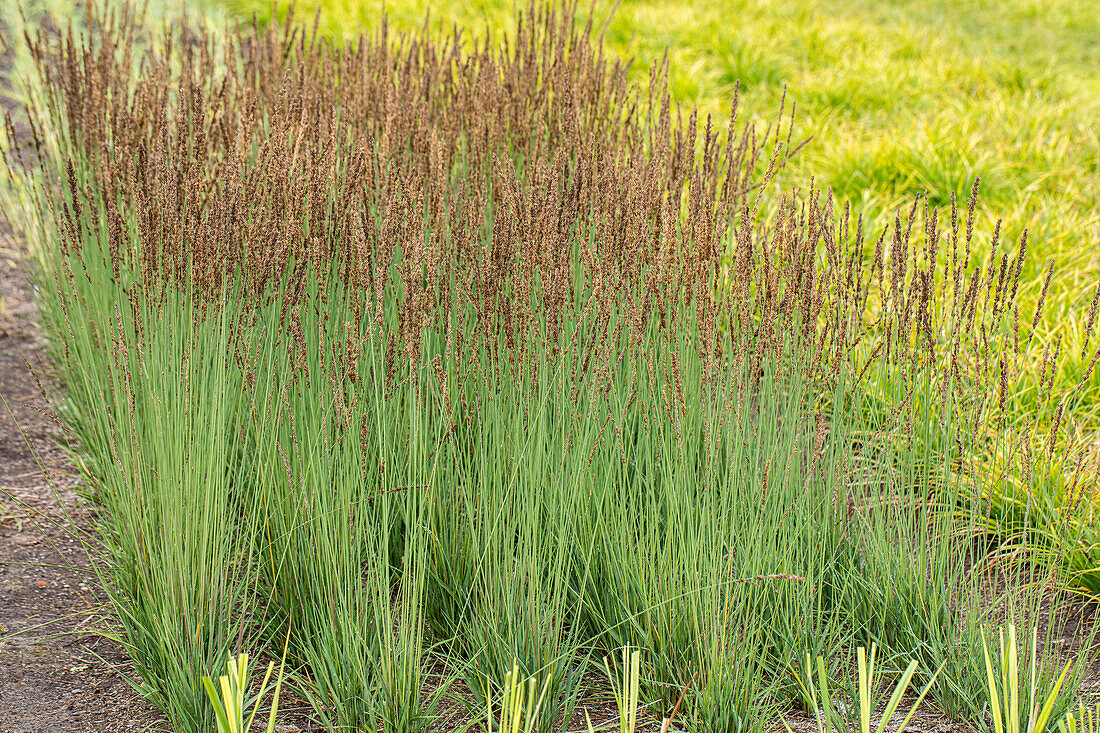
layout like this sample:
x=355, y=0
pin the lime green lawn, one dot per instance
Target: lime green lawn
x=900, y=97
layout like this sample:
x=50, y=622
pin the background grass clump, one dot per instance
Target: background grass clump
x=411, y=353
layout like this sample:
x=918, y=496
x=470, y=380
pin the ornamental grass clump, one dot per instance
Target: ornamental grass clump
x=423, y=353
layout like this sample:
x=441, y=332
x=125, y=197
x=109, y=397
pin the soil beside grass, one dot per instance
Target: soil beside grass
x=56, y=673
